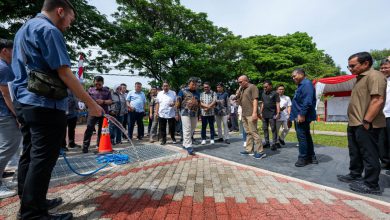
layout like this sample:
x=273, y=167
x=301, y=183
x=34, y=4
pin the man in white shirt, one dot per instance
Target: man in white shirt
x=285, y=109
x=384, y=147
x=166, y=110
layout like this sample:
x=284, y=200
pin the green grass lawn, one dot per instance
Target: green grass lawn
x=326, y=140
x=323, y=126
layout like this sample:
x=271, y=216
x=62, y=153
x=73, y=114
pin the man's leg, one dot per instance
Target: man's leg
x=211, y=120
x=278, y=125
x=186, y=123
x=265, y=130
x=310, y=145
x=118, y=132
x=163, y=129
x=99, y=134
x=91, y=122
x=140, y=125
x=153, y=129
x=172, y=124
x=355, y=154
x=47, y=127
x=72, y=122
x=204, y=126
x=384, y=145
x=272, y=123
x=225, y=128
x=131, y=124
x=301, y=129
x=258, y=145
x=249, y=134
x=219, y=126
x=10, y=138
x=368, y=144
x=284, y=131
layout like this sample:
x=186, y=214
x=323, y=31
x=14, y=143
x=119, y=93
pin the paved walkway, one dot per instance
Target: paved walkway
x=204, y=187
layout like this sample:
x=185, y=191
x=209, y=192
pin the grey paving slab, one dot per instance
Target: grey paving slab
x=332, y=161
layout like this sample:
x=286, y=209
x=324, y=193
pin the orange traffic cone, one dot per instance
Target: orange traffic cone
x=105, y=140
x=318, y=118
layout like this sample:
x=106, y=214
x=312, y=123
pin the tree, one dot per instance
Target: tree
x=166, y=41
x=90, y=28
x=275, y=57
x=379, y=55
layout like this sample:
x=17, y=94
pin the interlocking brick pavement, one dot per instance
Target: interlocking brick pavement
x=202, y=187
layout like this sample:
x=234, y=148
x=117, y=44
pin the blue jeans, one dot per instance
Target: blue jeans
x=306, y=146
x=115, y=132
x=208, y=120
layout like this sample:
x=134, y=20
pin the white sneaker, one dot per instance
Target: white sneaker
x=5, y=192
x=212, y=142
x=244, y=144
x=203, y=142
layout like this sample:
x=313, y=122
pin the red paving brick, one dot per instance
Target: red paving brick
x=126, y=206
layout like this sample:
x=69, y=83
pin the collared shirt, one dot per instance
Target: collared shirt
x=137, y=100
x=386, y=109
x=222, y=107
x=6, y=76
x=207, y=98
x=269, y=100
x=187, y=107
x=103, y=94
x=304, y=102
x=42, y=46
x=285, y=102
x=166, y=104
x=368, y=83
x=246, y=99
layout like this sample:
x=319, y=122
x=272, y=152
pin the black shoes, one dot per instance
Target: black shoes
x=266, y=145
x=52, y=203
x=63, y=216
x=273, y=147
x=282, y=142
x=163, y=142
x=227, y=141
x=313, y=160
x=301, y=162
x=349, y=178
x=74, y=145
x=85, y=150
x=7, y=174
x=219, y=140
x=361, y=187
x=278, y=145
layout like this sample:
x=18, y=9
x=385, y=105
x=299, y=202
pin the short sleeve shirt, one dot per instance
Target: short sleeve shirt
x=6, y=76
x=246, y=99
x=285, y=102
x=189, y=102
x=269, y=100
x=208, y=98
x=39, y=45
x=103, y=94
x=369, y=83
x=166, y=104
x=137, y=100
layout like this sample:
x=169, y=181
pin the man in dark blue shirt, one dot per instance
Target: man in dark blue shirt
x=303, y=113
x=41, y=46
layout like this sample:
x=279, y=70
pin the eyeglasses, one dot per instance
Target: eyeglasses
x=239, y=82
x=352, y=66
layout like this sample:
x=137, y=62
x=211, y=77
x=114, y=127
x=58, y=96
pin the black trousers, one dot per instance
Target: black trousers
x=363, y=153
x=91, y=122
x=384, y=144
x=272, y=123
x=136, y=117
x=163, y=127
x=43, y=132
x=71, y=126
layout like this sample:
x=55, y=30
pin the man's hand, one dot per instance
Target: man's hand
x=366, y=126
x=130, y=109
x=254, y=117
x=95, y=110
x=301, y=119
x=99, y=101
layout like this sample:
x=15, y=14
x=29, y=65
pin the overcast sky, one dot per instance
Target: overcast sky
x=339, y=27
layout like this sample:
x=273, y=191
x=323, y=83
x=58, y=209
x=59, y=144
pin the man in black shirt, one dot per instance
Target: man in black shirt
x=270, y=109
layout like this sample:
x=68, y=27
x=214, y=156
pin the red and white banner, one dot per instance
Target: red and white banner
x=81, y=68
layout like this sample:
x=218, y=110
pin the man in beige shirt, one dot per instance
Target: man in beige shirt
x=247, y=96
x=366, y=122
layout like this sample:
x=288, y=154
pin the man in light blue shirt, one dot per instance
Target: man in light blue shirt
x=41, y=46
x=136, y=102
